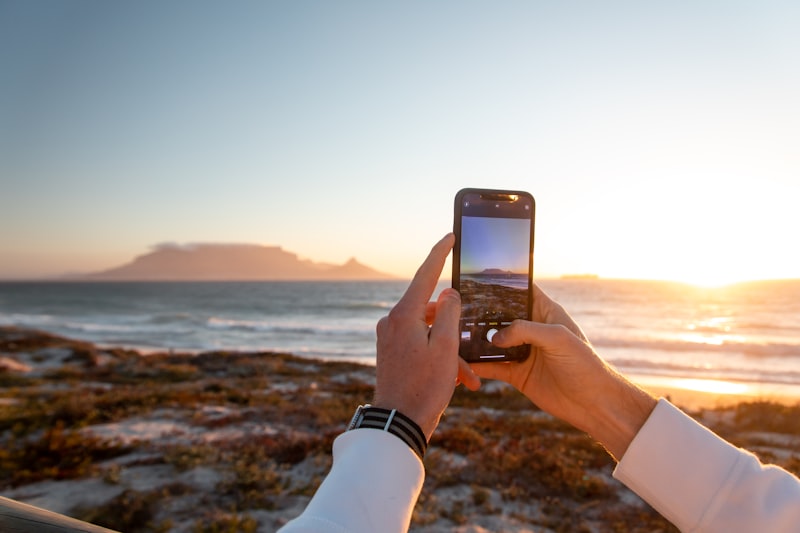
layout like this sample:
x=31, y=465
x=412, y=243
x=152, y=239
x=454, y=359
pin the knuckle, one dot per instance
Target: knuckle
x=563, y=332
x=396, y=314
x=381, y=326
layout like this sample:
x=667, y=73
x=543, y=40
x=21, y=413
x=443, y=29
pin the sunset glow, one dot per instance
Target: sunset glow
x=329, y=131
x=712, y=386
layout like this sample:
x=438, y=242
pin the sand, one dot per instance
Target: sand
x=700, y=393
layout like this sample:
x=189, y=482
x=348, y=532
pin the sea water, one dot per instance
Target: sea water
x=745, y=333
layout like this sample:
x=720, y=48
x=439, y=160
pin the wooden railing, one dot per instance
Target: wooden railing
x=16, y=517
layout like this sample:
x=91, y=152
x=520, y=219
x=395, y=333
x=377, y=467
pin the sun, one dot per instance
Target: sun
x=713, y=273
x=698, y=227
x=711, y=280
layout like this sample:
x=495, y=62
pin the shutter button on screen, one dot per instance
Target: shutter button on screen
x=490, y=334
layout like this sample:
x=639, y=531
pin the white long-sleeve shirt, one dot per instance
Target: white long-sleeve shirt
x=372, y=486
x=692, y=477
x=700, y=482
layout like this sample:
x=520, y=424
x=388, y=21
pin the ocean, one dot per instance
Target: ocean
x=745, y=333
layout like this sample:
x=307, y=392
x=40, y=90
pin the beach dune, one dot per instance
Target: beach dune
x=240, y=440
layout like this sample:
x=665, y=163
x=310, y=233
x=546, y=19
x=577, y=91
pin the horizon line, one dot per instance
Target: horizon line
x=587, y=278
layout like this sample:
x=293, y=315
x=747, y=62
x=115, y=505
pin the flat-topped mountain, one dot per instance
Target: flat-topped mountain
x=207, y=262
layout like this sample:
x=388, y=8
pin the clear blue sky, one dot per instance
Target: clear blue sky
x=481, y=249
x=660, y=139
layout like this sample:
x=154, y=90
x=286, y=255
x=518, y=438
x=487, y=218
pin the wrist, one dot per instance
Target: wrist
x=619, y=416
x=423, y=420
x=392, y=421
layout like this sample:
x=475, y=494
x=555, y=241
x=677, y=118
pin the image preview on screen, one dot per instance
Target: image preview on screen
x=494, y=280
x=495, y=243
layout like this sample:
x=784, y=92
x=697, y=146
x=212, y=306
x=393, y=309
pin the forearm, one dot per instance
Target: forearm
x=618, y=412
x=700, y=482
x=373, y=485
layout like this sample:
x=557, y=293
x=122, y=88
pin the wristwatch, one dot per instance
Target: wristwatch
x=392, y=421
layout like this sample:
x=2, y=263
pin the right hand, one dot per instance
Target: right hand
x=417, y=350
x=565, y=377
x=562, y=371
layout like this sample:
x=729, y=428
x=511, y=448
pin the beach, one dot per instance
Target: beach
x=239, y=441
x=699, y=394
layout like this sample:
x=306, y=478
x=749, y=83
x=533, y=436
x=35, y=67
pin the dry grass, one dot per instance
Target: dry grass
x=494, y=457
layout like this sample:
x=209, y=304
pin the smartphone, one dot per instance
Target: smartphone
x=493, y=268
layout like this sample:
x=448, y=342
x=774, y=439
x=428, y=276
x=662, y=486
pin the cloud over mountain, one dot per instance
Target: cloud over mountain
x=207, y=262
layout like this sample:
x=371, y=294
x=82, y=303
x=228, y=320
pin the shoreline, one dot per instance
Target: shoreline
x=693, y=393
x=685, y=391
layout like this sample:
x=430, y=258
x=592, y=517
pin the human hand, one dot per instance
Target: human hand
x=565, y=377
x=417, y=361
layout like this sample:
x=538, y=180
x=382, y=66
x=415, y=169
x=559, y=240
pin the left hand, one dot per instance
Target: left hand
x=418, y=365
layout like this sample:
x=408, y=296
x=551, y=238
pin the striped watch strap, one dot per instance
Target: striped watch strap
x=391, y=421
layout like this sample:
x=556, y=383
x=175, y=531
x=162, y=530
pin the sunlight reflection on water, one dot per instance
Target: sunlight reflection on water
x=712, y=385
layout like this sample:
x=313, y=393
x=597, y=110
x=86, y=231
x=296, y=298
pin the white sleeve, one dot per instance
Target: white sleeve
x=700, y=482
x=373, y=485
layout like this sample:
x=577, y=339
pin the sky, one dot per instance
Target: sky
x=481, y=249
x=660, y=139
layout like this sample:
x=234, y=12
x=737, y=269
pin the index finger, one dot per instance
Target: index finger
x=424, y=283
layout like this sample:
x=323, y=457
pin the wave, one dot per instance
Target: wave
x=725, y=346
x=52, y=322
x=514, y=281
x=748, y=375
x=290, y=328
x=366, y=306
x=732, y=325
x=351, y=306
x=170, y=318
x=94, y=327
x=91, y=327
x=29, y=320
x=646, y=327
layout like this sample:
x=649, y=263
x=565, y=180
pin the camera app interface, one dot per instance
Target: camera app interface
x=494, y=276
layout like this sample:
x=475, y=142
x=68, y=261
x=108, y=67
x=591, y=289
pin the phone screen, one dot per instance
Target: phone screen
x=492, y=268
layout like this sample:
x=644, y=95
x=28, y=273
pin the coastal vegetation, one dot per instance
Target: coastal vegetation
x=228, y=441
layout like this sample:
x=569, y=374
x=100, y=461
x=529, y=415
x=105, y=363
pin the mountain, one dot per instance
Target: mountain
x=495, y=272
x=238, y=262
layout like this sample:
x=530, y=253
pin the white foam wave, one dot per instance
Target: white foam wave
x=295, y=328
x=723, y=344
x=747, y=375
x=29, y=320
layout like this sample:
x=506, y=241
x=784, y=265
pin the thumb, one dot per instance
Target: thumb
x=551, y=337
x=519, y=332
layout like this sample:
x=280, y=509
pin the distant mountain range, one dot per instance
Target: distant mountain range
x=238, y=262
x=491, y=272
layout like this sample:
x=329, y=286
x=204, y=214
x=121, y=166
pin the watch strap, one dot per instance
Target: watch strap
x=392, y=421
